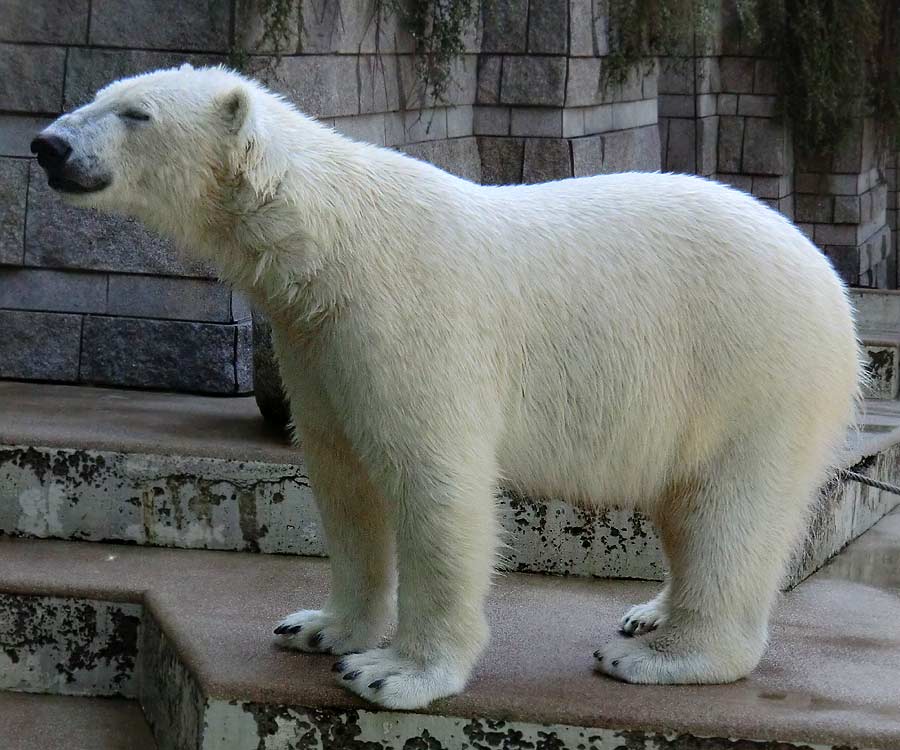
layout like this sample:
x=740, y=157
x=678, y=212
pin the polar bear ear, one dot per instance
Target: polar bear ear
x=234, y=108
x=251, y=155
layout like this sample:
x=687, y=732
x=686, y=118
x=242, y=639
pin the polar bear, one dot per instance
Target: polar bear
x=654, y=341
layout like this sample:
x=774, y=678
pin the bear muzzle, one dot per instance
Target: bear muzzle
x=53, y=154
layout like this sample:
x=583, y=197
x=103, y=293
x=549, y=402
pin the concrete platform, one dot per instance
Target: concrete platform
x=52, y=722
x=205, y=473
x=831, y=677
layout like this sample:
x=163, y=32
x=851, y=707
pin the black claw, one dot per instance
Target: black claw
x=316, y=639
x=376, y=685
x=597, y=655
x=338, y=666
x=280, y=629
x=294, y=629
x=352, y=675
x=615, y=662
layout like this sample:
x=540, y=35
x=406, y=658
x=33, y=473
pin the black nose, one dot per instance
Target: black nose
x=52, y=151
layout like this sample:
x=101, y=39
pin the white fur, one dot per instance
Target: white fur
x=655, y=341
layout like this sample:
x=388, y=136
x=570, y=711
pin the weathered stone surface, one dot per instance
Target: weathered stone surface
x=736, y=74
x=39, y=345
x=835, y=234
x=46, y=22
x=636, y=114
x=536, y=121
x=765, y=147
x=181, y=356
x=317, y=84
x=534, y=81
x=877, y=262
x=677, y=105
x=754, y=105
x=460, y=121
x=584, y=86
x=681, y=148
x=631, y=150
x=488, y=79
x=676, y=76
x=726, y=104
x=161, y=24
x=708, y=133
x=546, y=159
x=587, y=155
x=13, y=196
x=505, y=26
x=765, y=79
x=883, y=367
x=169, y=298
x=731, y=137
x=772, y=187
x=491, y=120
x=844, y=258
x=630, y=88
x=598, y=119
x=813, y=208
x=418, y=125
x=249, y=28
x=573, y=122
x=90, y=69
x=365, y=128
x=52, y=291
x=548, y=25
x=68, y=646
x=501, y=160
x=379, y=84
x=17, y=131
x=59, y=236
x=458, y=156
x=581, y=28
x=31, y=78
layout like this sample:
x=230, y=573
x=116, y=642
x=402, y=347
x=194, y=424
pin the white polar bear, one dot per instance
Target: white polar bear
x=655, y=341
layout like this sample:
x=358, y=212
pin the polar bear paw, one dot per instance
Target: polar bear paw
x=317, y=631
x=387, y=678
x=643, y=618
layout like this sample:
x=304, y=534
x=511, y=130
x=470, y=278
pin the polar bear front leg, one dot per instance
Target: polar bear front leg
x=356, y=521
x=446, y=542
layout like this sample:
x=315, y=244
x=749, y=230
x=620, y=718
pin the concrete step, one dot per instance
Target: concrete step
x=205, y=473
x=189, y=634
x=52, y=722
x=878, y=320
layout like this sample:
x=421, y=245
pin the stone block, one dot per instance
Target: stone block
x=765, y=77
x=600, y=29
x=765, y=147
x=39, y=345
x=548, y=26
x=379, y=83
x=13, y=202
x=706, y=105
x=847, y=157
x=681, y=154
x=60, y=236
x=317, y=84
x=598, y=119
x=458, y=156
x=835, y=234
x=17, y=131
x=634, y=114
x=491, y=120
x=786, y=206
x=184, y=25
x=736, y=74
x=534, y=80
x=676, y=105
x=45, y=22
x=425, y=125
x=731, y=138
x=883, y=367
x=845, y=259
x=501, y=160
x=708, y=133
x=546, y=159
x=350, y=27
x=240, y=307
x=52, y=291
x=505, y=26
x=755, y=105
x=176, y=355
x=771, y=187
x=460, y=121
x=536, y=121
x=243, y=364
x=581, y=28
x=249, y=28
x=488, y=79
x=141, y=296
x=31, y=78
x=90, y=69
x=814, y=208
x=364, y=128
x=726, y=104
x=573, y=123
x=650, y=84
x=676, y=76
x=877, y=262
x=584, y=86
x=709, y=80
x=630, y=88
x=739, y=181
x=631, y=150
x=587, y=155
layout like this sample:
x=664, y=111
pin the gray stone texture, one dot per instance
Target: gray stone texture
x=317, y=84
x=175, y=355
x=52, y=291
x=546, y=159
x=755, y=105
x=681, y=146
x=548, y=26
x=620, y=151
x=813, y=208
x=460, y=121
x=708, y=133
x=534, y=121
x=184, y=25
x=169, y=298
x=501, y=160
x=459, y=156
x=534, y=81
x=59, y=236
x=489, y=79
x=731, y=136
x=39, y=346
x=46, y=22
x=31, y=78
x=90, y=69
x=379, y=83
x=844, y=258
x=765, y=147
x=491, y=120
x=736, y=74
x=13, y=197
x=364, y=128
x=505, y=26
x=581, y=28
x=584, y=86
x=17, y=131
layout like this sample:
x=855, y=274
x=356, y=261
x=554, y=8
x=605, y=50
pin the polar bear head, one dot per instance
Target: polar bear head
x=165, y=146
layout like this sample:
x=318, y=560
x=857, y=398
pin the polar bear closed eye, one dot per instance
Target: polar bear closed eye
x=656, y=341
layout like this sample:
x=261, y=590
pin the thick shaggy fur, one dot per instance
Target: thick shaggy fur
x=647, y=340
